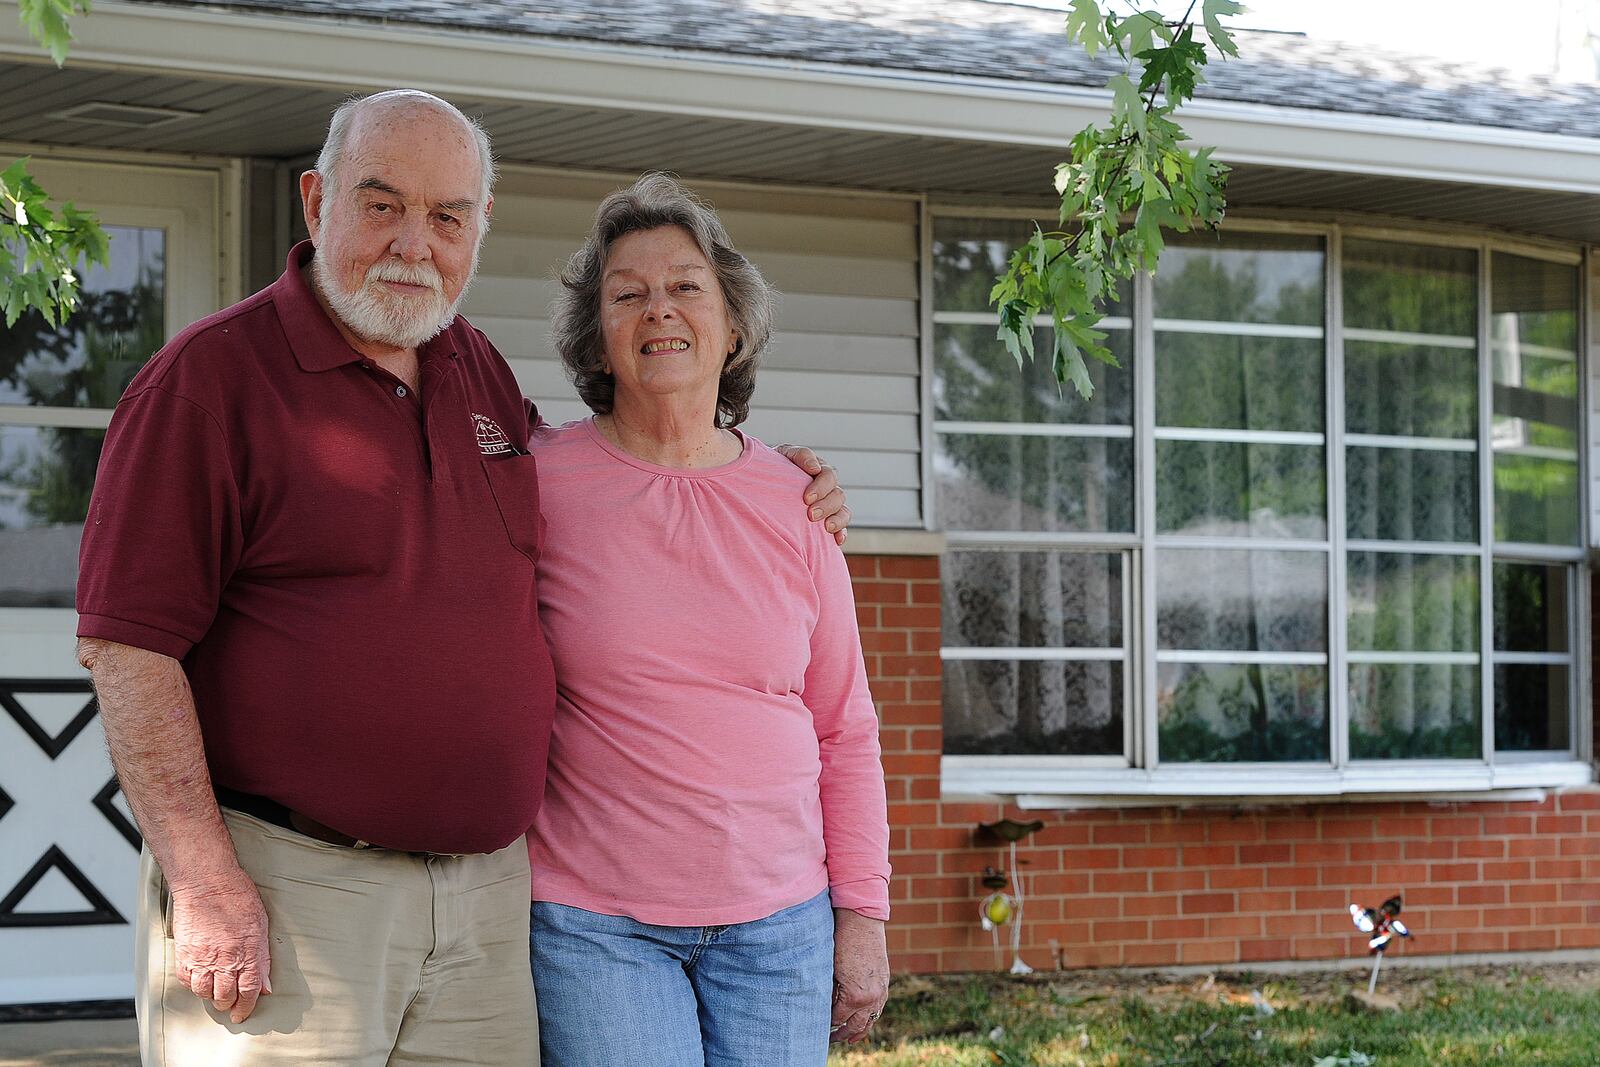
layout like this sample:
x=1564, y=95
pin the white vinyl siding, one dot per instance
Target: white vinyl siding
x=842, y=373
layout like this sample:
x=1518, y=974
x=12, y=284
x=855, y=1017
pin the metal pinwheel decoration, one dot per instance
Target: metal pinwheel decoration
x=1383, y=923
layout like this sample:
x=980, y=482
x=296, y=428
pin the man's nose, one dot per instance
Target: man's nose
x=411, y=241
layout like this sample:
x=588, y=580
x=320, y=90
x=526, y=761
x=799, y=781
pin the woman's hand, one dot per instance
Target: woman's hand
x=824, y=499
x=860, y=974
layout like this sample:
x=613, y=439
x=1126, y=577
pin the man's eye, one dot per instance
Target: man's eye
x=380, y=209
x=620, y=297
x=449, y=220
x=688, y=287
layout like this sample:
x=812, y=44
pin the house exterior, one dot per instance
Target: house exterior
x=1296, y=611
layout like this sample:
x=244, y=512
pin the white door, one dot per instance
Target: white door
x=68, y=847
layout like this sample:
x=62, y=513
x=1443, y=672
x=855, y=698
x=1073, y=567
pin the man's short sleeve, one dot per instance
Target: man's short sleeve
x=163, y=534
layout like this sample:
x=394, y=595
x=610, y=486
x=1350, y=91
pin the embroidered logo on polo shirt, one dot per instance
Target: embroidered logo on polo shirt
x=492, y=440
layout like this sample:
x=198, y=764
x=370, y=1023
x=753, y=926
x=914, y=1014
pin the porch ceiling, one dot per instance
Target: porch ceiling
x=284, y=121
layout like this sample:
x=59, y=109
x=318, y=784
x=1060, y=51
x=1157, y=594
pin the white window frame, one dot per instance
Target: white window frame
x=1057, y=780
x=194, y=201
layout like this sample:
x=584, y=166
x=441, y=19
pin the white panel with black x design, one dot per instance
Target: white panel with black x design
x=68, y=846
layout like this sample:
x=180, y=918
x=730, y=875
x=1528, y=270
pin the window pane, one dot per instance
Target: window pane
x=1414, y=711
x=1401, y=494
x=1407, y=390
x=968, y=254
x=1534, y=302
x=1032, y=599
x=1226, y=489
x=1533, y=341
x=1227, y=599
x=1530, y=608
x=1239, y=383
x=977, y=380
x=88, y=360
x=1241, y=278
x=1000, y=482
x=1051, y=707
x=1531, y=707
x=1214, y=712
x=1535, y=500
x=45, y=478
x=1405, y=602
x=1410, y=288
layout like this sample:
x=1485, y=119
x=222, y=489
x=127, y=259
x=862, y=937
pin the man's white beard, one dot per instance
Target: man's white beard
x=378, y=314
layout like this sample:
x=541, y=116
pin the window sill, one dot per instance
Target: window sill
x=1053, y=782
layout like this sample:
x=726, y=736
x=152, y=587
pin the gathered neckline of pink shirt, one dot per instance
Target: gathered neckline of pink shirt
x=746, y=450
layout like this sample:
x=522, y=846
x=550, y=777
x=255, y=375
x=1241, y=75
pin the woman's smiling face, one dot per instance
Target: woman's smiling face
x=663, y=318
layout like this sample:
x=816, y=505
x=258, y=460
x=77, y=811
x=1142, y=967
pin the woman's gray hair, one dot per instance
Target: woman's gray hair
x=654, y=201
x=332, y=153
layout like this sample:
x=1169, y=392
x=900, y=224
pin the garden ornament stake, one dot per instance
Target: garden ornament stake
x=1000, y=907
x=1384, y=924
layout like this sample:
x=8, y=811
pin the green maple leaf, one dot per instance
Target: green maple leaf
x=1086, y=26
x=1140, y=30
x=1212, y=11
x=1177, y=66
x=49, y=22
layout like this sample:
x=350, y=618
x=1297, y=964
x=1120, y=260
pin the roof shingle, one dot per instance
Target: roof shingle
x=983, y=39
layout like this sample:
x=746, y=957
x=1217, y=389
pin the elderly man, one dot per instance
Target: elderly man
x=307, y=601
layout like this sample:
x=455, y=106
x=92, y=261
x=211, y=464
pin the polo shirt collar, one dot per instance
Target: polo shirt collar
x=316, y=342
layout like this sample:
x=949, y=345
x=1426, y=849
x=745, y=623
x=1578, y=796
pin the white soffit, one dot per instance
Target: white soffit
x=363, y=55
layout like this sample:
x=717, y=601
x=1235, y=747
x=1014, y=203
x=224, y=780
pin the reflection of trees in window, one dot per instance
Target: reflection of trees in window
x=1238, y=382
x=1023, y=481
x=1534, y=337
x=1414, y=711
x=1033, y=599
x=1033, y=707
x=1250, y=279
x=86, y=362
x=1218, y=713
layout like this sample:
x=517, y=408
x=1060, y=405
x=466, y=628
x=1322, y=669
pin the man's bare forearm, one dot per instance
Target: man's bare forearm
x=154, y=737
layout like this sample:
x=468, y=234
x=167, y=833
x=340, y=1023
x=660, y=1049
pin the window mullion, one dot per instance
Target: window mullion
x=1146, y=753
x=1580, y=695
x=1485, y=506
x=1338, y=589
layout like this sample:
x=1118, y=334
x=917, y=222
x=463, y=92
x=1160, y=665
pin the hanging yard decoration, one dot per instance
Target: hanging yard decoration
x=1001, y=908
x=1383, y=923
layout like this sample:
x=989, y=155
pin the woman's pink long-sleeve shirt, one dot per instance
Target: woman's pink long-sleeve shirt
x=715, y=751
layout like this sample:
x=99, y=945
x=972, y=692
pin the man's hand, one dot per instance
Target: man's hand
x=823, y=496
x=860, y=974
x=219, y=934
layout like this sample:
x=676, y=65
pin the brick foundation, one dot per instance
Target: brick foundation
x=1160, y=886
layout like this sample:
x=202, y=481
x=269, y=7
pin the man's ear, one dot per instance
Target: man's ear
x=311, y=202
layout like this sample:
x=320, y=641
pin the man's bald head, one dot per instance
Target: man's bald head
x=393, y=104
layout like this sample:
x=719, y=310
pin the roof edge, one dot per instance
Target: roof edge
x=361, y=55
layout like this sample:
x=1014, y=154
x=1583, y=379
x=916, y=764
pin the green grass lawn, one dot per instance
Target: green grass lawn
x=1506, y=1017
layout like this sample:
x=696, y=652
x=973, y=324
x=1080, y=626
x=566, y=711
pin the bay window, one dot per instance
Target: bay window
x=1322, y=528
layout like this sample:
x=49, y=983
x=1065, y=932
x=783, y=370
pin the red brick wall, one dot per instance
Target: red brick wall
x=1157, y=886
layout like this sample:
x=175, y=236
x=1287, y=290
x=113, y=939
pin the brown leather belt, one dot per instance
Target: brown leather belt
x=268, y=810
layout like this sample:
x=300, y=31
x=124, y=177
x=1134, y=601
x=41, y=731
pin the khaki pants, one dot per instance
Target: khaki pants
x=378, y=958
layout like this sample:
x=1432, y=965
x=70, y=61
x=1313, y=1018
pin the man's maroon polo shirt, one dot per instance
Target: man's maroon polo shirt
x=346, y=575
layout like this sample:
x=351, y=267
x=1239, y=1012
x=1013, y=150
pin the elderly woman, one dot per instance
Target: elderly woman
x=710, y=870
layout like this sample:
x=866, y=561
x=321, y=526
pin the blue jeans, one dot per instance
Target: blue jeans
x=614, y=992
